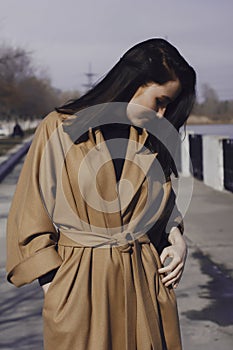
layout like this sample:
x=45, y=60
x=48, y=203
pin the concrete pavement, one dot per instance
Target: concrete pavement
x=20, y=308
x=205, y=294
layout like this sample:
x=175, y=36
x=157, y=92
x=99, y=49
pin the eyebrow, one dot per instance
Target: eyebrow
x=168, y=99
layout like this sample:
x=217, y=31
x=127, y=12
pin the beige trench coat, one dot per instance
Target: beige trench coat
x=107, y=293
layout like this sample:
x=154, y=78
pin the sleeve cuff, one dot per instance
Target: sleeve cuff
x=179, y=225
x=35, y=266
x=48, y=277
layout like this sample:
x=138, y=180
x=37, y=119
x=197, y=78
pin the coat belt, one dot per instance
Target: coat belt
x=124, y=241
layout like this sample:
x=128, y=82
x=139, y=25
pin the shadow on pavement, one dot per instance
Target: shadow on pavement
x=219, y=291
x=21, y=325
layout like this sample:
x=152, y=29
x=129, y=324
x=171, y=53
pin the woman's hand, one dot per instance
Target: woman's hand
x=178, y=253
x=46, y=287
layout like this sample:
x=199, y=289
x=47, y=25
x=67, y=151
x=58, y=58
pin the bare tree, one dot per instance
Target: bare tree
x=15, y=64
x=22, y=92
x=25, y=91
x=213, y=107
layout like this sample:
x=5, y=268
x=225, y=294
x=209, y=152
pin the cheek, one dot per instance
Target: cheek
x=147, y=101
x=150, y=100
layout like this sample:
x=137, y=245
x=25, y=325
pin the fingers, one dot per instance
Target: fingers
x=173, y=277
x=170, y=252
x=173, y=271
x=166, y=253
x=176, y=261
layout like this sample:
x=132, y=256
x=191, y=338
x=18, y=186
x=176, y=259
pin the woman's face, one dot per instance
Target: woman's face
x=154, y=97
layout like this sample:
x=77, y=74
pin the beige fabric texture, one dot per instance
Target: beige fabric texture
x=107, y=293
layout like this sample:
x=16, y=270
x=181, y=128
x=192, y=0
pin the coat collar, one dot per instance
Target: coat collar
x=96, y=137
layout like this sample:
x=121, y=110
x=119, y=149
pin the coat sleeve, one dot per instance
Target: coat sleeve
x=31, y=236
x=175, y=217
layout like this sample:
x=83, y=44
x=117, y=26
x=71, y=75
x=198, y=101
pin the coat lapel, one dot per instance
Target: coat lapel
x=138, y=161
x=98, y=163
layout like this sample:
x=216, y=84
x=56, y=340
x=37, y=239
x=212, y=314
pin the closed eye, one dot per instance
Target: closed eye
x=161, y=103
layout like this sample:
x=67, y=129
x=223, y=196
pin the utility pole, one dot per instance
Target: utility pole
x=89, y=76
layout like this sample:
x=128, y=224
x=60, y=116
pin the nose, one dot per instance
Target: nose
x=160, y=111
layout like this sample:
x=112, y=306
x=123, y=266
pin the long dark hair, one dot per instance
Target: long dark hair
x=153, y=60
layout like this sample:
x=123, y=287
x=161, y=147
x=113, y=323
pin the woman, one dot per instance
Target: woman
x=95, y=225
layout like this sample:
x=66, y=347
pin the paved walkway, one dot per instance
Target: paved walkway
x=205, y=294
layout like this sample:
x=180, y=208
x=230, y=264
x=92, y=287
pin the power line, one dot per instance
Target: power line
x=89, y=76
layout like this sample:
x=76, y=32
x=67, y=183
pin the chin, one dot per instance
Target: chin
x=139, y=122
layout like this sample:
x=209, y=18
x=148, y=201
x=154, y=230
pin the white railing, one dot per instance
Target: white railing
x=212, y=156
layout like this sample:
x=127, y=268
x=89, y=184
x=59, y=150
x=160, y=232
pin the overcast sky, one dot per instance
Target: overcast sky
x=65, y=36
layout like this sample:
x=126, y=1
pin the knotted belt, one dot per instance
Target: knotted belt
x=136, y=289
